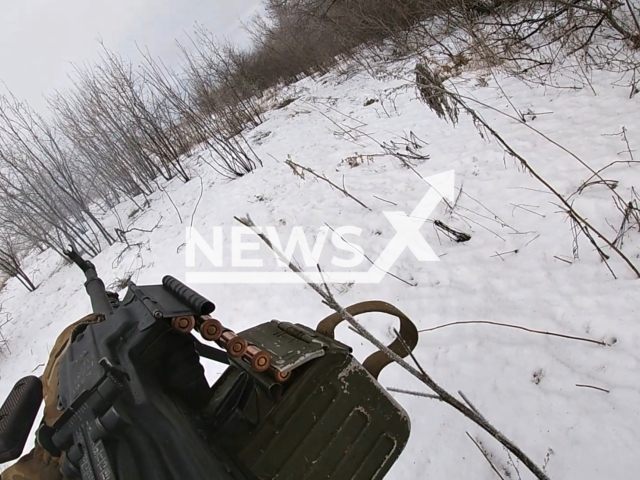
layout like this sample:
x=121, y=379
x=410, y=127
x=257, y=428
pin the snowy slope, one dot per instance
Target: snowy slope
x=524, y=383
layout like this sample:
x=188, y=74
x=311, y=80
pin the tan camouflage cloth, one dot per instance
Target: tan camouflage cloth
x=38, y=464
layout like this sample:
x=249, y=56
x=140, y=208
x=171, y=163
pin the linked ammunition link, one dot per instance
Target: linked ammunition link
x=280, y=377
x=260, y=360
x=237, y=347
x=209, y=328
x=183, y=324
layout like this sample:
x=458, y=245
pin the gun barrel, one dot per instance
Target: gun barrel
x=97, y=293
x=94, y=285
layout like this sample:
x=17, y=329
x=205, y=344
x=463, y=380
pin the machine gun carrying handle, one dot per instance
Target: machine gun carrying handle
x=17, y=415
x=190, y=297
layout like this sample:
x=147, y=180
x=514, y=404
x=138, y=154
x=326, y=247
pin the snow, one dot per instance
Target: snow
x=524, y=383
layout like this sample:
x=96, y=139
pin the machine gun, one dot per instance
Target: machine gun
x=135, y=404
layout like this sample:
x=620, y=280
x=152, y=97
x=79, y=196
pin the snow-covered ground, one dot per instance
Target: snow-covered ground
x=518, y=267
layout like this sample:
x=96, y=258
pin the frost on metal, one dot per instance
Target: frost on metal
x=354, y=368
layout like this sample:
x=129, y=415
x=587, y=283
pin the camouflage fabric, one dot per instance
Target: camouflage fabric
x=38, y=464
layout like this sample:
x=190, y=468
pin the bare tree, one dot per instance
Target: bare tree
x=233, y=156
x=39, y=185
x=10, y=260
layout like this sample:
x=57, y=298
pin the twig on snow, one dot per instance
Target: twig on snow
x=629, y=211
x=37, y=367
x=170, y=199
x=585, y=231
x=518, y=327
x=486, y=456
x=525, y=209
x=471, y=405
x=482, y=126
x=388, y=201
x=597, y=174
x=591, y=386
x=626, y=141
x=371, y=261
x=453, y=234
x=503, y=253
x=562, y=259
x=195, y=209
x=414, y=393
x=534, y=238
x=294, y=166
x=612, y=184
x=122, y=234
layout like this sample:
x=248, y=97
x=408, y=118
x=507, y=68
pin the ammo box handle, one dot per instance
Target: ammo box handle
x=378, y=360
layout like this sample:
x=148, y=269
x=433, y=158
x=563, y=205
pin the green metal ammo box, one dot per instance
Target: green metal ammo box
x=330, y=420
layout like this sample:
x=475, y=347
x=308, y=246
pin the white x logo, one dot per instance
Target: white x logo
x=408, y=226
